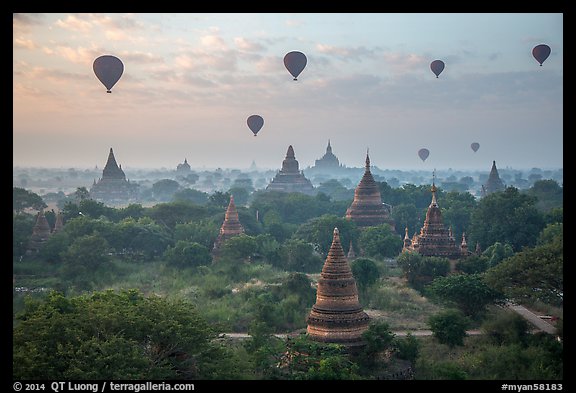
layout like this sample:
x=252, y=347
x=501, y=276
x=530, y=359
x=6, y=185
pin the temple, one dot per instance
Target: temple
x=367, y=208
x=327, y=163
x=290, y=178
x=40, y=234
x=112, y=187
x=494, y=183
x=230, y=227
x=183, y=168
x=434, y=240
x=337, y=316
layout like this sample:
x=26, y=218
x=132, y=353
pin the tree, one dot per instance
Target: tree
x=497, y=252
x=320, y=231
x=81, y=194
x=548, y=193
x=533, y=274
x=164, y=189
x=468, y=292
x=240, y=247
x=23, y=199
x=507, y=217
x=114, y=336
x=406, y=216
x=473, y=264
x=83, y=257
x=365, y=273
x=420, y=270
x=378, y=337
x=219, y=199
x=202, y=231
x=380, y=241
x=187, y=254
x=22, y=225
x=298, y=255
x=189, y=194
x=449, y=327
x=241, y=195
x=506, y=327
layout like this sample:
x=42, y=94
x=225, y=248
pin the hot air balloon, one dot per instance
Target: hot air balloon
x=423, y=153
x=437, y=66
x=475, y=146
x=108, y=70
x=255, y=123
x=295, y=62
x=541, y=53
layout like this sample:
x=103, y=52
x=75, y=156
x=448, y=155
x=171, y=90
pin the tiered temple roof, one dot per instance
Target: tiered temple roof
x=113, y=186
x=290, y=178
x=494, y=183
x=183, y=168
x=434, y=239
x=40, y=233
x=367, y=208
x=337, y=316
x=328, y=161
x=230, y=227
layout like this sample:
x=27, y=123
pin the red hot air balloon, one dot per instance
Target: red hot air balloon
x=108, y=70
x=255, y=123
x=437, y=66
x=475, y=146
x=541, y=53
x=295, y=62
x=423, y=154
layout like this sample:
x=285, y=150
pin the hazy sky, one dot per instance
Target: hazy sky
x=191, y=80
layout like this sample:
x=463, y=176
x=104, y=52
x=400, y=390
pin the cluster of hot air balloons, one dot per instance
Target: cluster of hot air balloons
x=109, y=69
x=424, y=153
x=295, y=62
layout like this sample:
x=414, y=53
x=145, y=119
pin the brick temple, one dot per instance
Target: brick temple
x=337, y=316
x=230, y=227
x=367, y=208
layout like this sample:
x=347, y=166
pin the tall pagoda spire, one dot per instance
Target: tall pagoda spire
x=367, y=208
x=230, y=227
x=337, y=316
x=112, y=170
x=494, y=183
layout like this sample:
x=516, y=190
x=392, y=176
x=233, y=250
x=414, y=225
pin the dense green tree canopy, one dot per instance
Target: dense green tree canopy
x=24, y=199
x=507, y=217
x=109, y=335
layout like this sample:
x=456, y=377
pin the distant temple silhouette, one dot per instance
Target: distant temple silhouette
x=494, y=183
x=367, y=208
x=290, y=178
x=183, y=168
x=113, y=187
x=337, y=316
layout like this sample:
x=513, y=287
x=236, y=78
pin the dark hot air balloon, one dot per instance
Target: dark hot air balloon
x=475, y=146
x=295, y=62
x=255, y=123
x=437, y=66
x=108, y=70
x=541, y=53
x=423, y=154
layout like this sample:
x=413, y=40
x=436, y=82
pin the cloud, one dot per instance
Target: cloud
x=72, y=22
x=23, y=43
x=141, y=57
x=213, y=42
x=400, y=63
x=347, y=53
x=78, y=55
x=249, y=46
x=23, y=22
x=294, y=22
x=201, y=60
